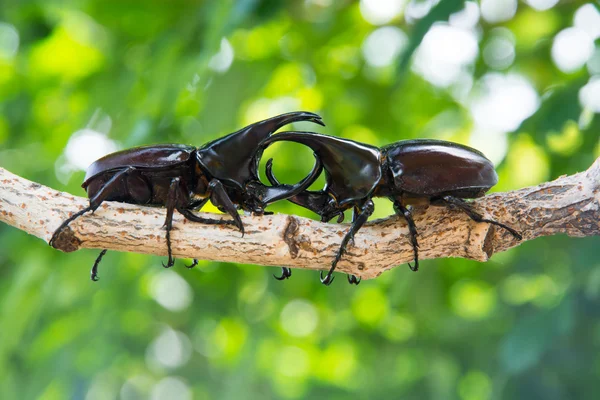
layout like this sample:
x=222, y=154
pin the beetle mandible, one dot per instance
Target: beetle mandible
x=184, y=178
x=444, y=173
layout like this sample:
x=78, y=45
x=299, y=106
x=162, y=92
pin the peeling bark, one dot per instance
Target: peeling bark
x=569, y=205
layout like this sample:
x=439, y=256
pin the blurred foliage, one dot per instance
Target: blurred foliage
x=524, y=325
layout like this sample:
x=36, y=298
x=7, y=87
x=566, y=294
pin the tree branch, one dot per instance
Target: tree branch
x=570, y=204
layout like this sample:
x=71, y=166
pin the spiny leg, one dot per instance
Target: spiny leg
x=365, y=212
x=220, y=198
x=172, y=198
x=67, y=222
x=95, y=201
x=412, y=230
x=208, y=221
x=352, y=279
x=94, y=272
x=285, y=274
x=475, y=216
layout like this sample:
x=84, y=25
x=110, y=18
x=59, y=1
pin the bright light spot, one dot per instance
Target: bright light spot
x=9, y=41
x=171, y=349
x=417, y=9
x=503, y=102
x=86, y=146
x=299, y=318
x=383, y=45
x=572, y=47
x=171, y=291
x=171, y=388
x=493, y=144
x=467, y=18
x=379, y=12
x=499, y=51
x=221, y=61
x=541, y=5
x=587, y=18
x=589, y=95
x=293, y=362
x=136, y=388
x=472, y=299
x=494, y=11
x=593, y=63
x=444, y=54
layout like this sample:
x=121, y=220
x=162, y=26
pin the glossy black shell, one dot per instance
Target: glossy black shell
x=432, y=168
x=143, y=157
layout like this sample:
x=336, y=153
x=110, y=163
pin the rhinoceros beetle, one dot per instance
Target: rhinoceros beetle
x=184, y=178
x=444, y=173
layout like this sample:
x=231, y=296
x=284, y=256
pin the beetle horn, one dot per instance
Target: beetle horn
x=230, y=158
x=352, y=169
x=271, y=194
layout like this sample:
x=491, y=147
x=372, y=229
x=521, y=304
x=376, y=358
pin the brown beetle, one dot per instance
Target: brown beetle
x=444, y=173
x=184, y=178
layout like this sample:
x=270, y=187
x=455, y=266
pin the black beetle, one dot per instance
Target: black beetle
x=184, y=178
x=444, y=173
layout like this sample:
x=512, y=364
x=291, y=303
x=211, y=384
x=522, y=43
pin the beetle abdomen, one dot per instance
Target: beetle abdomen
x=436, y=167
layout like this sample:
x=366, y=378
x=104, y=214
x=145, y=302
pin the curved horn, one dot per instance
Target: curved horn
x=271, y=194
x=352, y=169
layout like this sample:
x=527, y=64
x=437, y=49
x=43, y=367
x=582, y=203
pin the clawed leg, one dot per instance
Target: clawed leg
x=220, y=198
x=400, y=209
x=67, y=222
x=353, y=280
x=172, y=200
x=94, y=272
x=208, y=221
x=285, y=274
x=362, y=217
x=475, y=216
x=193, y=264
x=95, y=201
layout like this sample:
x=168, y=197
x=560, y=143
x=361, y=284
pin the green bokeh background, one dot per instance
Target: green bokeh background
x=524, y=325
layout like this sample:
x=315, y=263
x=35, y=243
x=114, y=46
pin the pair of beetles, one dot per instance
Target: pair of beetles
x=225, y=171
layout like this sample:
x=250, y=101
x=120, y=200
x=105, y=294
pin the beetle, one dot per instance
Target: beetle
x=184, y=178
x=409, y=171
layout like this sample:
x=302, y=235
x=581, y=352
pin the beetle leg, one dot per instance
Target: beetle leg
x=208, y=221
x=352, y=279
x=172, y=200
x=365, y=212
x=94, y=272
x=475, y=216
x=220, y=198
x=193, y=264
x=400, y=209
x=285, y=274
x=95, y=201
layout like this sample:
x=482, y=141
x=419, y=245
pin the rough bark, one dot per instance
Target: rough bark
x=569, y=205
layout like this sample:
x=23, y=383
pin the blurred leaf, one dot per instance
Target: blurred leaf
x=532, y=336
